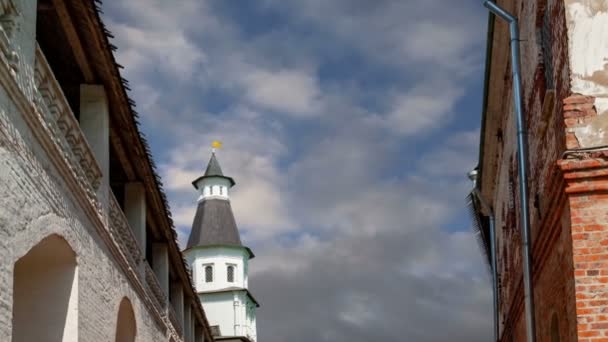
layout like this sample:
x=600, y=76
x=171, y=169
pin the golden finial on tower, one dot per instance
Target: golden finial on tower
x=215, y=145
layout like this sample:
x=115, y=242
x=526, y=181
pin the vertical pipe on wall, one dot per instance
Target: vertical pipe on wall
x=522, y=158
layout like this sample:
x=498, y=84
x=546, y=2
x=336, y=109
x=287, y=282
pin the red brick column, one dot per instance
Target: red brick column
x=587, y=191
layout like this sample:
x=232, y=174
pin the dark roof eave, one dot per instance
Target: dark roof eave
x=232, y=182
x=249, y=251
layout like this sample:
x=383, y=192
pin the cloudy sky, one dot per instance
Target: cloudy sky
x=349, y=126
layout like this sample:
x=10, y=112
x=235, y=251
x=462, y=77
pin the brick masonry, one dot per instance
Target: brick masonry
x=587, y=189
x=568, y=192
x=34, y=204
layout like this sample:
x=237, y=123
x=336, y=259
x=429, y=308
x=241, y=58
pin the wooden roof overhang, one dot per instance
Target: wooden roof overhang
x=496, y=102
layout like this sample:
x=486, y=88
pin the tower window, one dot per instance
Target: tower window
x=208, y=274
x=221, y=190
x=230, y=275
x=211, y=190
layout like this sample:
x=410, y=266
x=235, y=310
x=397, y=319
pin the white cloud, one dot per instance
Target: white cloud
x=183, y=216
x=423, y=108
x=294, y=92
x=170, y=51
x=409, y=34
x=154, y=36
x=455, y=157
x=355, y=288
x=176, y=178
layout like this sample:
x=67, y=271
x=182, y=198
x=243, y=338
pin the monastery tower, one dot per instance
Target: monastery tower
x=219, y=261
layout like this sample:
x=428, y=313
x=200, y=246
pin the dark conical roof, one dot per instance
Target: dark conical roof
x=213, y=170
x=214, y=224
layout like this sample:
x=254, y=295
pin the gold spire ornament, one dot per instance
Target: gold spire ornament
x=215, y=144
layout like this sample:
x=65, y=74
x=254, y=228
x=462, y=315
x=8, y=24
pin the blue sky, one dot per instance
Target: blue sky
x=349, y=127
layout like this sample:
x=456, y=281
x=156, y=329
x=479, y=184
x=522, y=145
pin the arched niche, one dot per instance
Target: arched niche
x=45, y=293
x=126, y=329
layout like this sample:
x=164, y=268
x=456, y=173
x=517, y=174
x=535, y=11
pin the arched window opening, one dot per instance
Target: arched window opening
x=126, y=329
x=230, y=275
x=208, y=274
x=555, y=328
x=45, y=293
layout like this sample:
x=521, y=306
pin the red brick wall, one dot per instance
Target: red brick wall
x=550, y=218
x=568, y=190
x=587, y=189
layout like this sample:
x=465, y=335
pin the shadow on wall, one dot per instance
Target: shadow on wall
x=45, y=287
x=125, y=324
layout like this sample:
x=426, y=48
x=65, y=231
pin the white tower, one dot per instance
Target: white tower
x=219, y=260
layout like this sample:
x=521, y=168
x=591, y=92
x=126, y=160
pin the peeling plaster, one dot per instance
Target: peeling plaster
x=593, y=134
x=587, y=22
x=588, y=47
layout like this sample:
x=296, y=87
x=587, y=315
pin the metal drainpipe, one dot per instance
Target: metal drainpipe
x=522, y=156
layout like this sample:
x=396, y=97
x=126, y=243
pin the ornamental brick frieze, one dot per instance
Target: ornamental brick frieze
x=8, y=25
x=158, y=296
x=123, y=234
x=175, y=329
x=57, y=118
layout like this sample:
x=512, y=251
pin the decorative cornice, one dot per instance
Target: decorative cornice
x=55, y=112
x=174, y=326
x=8, y=25
x=585, y=175
x=123, y=234
x=160, y=300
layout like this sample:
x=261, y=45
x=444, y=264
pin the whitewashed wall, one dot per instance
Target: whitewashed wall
x=219, y=258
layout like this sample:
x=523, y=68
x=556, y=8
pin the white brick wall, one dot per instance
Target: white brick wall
x=33, y=205
x=39, y=196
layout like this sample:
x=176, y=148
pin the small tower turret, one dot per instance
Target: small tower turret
x=213, y=184
x=218, y=259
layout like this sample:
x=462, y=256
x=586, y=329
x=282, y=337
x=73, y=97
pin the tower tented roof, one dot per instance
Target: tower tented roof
x=213, y=225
